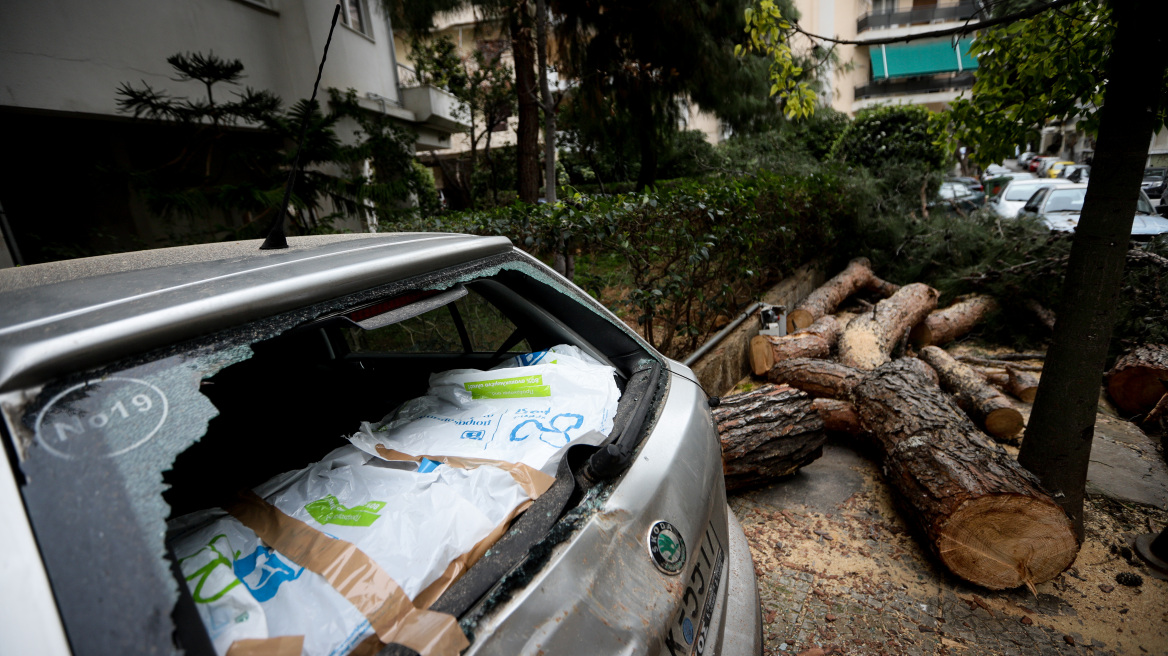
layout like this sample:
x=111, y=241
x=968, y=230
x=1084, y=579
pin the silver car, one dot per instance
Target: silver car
x=1009, y=201
x=139, y=387
x=1060, y=207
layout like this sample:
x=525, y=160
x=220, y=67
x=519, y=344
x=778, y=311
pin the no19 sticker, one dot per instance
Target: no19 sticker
x=101, y=418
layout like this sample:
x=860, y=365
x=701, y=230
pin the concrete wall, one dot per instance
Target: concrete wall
x=723, y=367
x=71, y=55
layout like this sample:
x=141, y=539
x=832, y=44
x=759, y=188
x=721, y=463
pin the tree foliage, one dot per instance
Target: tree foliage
x=215, y=173
x=769, y=34
x=638, y=59
x=889, y=136
x=1046, y=68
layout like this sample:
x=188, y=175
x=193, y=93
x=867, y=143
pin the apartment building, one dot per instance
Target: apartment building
x=929, y=72
x=63, y=60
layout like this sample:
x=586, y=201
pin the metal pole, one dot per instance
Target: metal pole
x=705, y=348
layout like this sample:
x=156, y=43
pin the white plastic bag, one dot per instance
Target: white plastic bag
x=518, y=413
x=413, y=524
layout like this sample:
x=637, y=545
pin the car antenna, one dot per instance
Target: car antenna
x=276, y=238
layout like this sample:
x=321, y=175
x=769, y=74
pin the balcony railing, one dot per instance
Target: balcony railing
x=878, y=88
x=930, y=14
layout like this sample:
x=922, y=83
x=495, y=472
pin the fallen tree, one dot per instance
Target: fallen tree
x=983, y=403
x=868, y=339
x=983, y=515
x=824, y=300
x=814, y=341
x=767, y=433
x=1139, y=378
x=945, y=325
x=1019, y=384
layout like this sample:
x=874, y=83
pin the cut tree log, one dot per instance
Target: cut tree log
x=819, y=378
x=814, y=341
x=984, y=516
x=869, y=338
x=994, y=363
x=984, y=404
x=824, y=300
x=767, y=433
x=1138, y=379
x=838, y=415
x=1019, y=384
x=943, y=326
x=1044, y=316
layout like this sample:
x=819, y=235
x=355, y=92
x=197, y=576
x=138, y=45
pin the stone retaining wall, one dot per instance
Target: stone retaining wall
x=721, y=369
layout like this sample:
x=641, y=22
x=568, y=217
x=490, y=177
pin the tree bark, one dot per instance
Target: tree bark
x=819, y=378
x=837, y=415
x=985, y=517
x=1044, y=316
x=943, y=326
x=824, y=300
x=527, y=132
x=1058, y=440
x=767, y=433
x=987, y=406
x=1139, y=378
x=548, y=107
x=1019, y=384
x=814, y=341
x=868, y=339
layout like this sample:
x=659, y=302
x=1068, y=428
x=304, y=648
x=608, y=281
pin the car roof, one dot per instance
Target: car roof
x=69, y=315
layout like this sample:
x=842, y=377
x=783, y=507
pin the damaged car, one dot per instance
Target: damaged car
x=363, y=444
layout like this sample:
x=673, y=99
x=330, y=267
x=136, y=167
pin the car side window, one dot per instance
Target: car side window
x=1035, y=201
x=470, y=324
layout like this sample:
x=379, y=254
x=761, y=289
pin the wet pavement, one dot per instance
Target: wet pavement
x=839, y=571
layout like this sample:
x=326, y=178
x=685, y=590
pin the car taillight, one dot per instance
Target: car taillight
x=391, y=304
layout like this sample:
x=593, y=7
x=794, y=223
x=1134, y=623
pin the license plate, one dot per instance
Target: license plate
x=687, y=635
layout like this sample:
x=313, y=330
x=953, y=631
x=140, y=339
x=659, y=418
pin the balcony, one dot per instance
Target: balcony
x=880, y=88
x=919, y=15
x=430, y=105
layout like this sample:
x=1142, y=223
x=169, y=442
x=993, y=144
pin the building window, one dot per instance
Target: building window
x=883, y=6
x=355, y=14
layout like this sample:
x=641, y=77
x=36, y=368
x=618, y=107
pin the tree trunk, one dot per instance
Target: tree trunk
x=824, y=300
x=1139, y=379
x=1058, y=440
x=984, y=404
x=548, y=107
x=943, y=326
x=837, y=415
x=819, y=378
x=814, y=341
x=1019, y=384
x=1044, y=316
x=527, y=132
x=647, y=134
x=868, y=339
x=984, y=516
x=767, y=433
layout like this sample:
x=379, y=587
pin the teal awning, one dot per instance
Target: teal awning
x=921, y=58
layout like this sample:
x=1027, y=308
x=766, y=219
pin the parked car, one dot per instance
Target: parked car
x=957, y=195
x=1076, y=172
x=1059, y=208
x=1155, y=181
x=140, y=387
x=994, y=171
x=1014, y=194
x=1053, y=169
x=1034, y=165
x=973, y=184
x=1024, y=158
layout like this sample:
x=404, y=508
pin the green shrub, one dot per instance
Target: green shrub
x=692, y=254
x=884, y=137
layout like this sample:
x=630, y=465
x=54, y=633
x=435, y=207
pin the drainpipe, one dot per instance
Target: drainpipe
x=716, y=339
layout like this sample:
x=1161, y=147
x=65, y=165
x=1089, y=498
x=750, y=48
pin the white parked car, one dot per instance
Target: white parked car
x=1009, y=201
x=1060, y=207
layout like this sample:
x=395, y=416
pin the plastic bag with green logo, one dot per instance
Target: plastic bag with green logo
x=412, y=523
x=519, y=413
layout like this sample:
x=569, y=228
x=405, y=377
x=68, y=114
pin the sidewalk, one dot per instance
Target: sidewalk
x=839, y=571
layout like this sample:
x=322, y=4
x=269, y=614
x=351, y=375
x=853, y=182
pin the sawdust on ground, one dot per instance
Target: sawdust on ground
x=865, y=545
